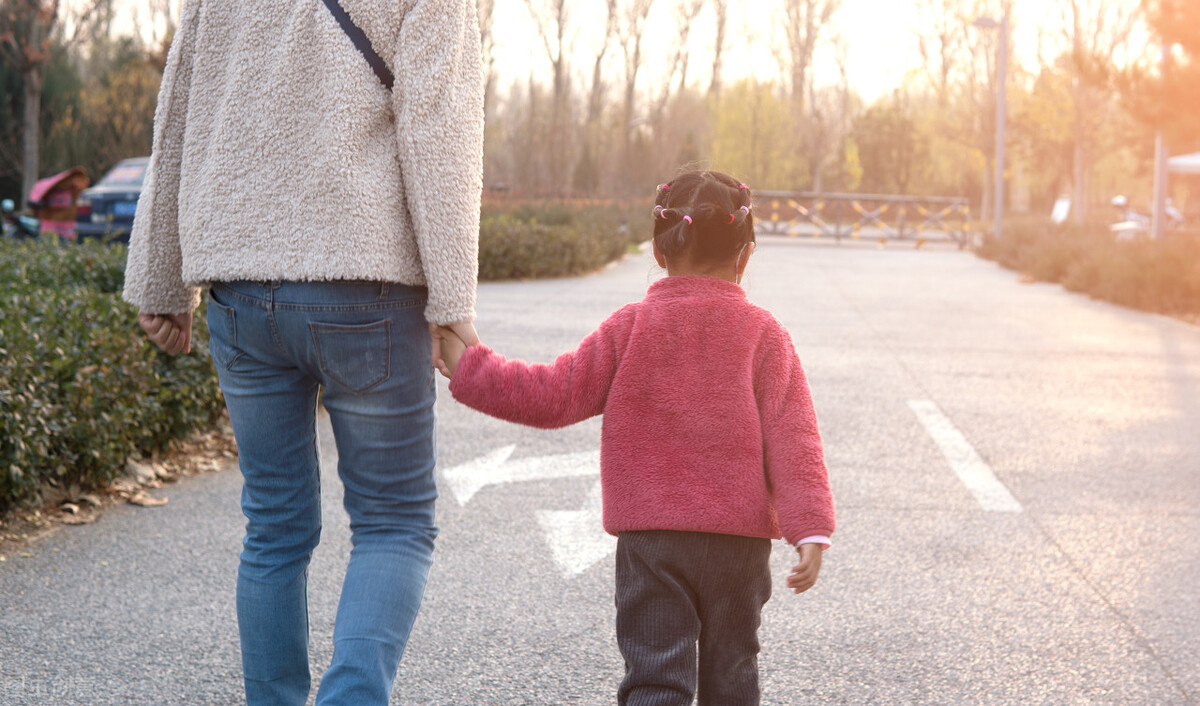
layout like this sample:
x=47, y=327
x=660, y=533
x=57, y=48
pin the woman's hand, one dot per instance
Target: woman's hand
x=170, y=332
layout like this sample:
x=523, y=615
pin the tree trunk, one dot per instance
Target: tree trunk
x=1079, y=205
x=985, y=198
x=30, y=131
x=714, y=86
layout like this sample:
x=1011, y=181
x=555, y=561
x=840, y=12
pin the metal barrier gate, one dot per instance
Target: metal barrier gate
x=863, y=216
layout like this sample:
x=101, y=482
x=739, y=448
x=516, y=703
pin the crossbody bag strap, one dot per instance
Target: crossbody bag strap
x=363, y=44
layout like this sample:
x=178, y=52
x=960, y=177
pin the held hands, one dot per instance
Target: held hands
x=804, y=574
x=449, y=343
x=170, y=332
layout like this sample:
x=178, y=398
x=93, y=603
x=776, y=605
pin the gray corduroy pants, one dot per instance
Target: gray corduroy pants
x=679, y=591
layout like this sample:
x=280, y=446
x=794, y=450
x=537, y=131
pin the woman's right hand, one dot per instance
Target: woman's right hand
x=465, y=331
x=170, y=332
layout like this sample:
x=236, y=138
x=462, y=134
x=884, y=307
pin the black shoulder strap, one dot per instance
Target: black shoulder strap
x=363, y=44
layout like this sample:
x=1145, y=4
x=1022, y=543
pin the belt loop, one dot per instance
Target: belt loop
x=383, y=291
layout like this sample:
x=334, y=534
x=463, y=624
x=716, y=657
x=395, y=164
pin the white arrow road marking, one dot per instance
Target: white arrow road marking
x=970, y=468
x=493, y=469
x=576, y=537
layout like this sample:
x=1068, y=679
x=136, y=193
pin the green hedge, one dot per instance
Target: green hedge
x=1161, y=276
x=531, y=240
x=81, y=387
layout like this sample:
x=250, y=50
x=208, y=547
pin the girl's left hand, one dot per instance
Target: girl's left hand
x=804, y=574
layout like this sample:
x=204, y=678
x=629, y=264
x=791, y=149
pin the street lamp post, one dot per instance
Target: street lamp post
x=1001, y=113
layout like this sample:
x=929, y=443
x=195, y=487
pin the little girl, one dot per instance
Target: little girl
x=709, y=449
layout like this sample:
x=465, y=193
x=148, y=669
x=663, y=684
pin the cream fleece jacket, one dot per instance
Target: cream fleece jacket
x=278, y=154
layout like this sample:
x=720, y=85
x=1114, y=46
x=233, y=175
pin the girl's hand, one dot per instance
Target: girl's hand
x=804, y=574
x=449, y=347
x=170, y=332
x=452, y=338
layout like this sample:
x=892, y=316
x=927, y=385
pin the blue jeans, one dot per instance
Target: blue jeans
x=367, y=346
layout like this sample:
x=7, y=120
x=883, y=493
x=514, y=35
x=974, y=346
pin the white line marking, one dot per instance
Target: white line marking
x=970, y=468
x=577, y=537
x=493, y=469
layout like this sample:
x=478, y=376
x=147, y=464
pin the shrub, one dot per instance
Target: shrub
x=1161, y=276
x=532, y=240
x=81, y=387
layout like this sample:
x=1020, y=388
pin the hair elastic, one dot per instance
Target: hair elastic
x=665, y=187
x=746, y=209
x=730, y=219
x=688, y=219
x=743, y=187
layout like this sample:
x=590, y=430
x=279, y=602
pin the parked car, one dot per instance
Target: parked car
x=106, y=209
x=17, y=225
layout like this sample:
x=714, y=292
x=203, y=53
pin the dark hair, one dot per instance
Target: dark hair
x=704, y=214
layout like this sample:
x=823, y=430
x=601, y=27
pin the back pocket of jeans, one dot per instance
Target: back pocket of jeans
x=222, y=332
x=356, y=356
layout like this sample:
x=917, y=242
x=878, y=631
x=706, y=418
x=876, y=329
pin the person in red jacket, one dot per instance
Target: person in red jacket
x=709, y=449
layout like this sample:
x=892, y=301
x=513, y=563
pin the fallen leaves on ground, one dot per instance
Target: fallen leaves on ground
x=143, y=500
x=203, y=453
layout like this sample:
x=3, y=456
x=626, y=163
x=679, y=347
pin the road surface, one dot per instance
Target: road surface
x=1017, y=474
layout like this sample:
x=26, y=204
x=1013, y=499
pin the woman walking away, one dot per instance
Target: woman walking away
x=320, y=166
x=709, y=449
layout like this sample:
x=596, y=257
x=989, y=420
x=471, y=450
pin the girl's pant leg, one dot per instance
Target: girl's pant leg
x=657, y=619
x=273, y=412
x=385, y=441
x=732, y=596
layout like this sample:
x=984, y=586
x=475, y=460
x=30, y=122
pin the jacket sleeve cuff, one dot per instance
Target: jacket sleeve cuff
x=815, y=539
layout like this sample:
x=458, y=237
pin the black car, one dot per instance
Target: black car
x=106, y=209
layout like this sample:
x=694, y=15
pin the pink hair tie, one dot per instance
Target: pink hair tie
x=743, y=187
x=688, y=219
x=665, y=187
x=746, y=209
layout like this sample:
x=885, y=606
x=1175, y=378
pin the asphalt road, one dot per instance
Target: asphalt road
x=1016, y=471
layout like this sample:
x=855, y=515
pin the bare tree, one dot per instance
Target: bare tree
x=686, y=11
x=631, y=29
x=552, y=19
x=162, y=20
x=829, y=118
x=486, y=10
x=1094, y=31
x=596, y=96
x=27, y=33
x=942, y=41
x=721, y=7
x=802, y=24
x=803, y=21
x=960, y=63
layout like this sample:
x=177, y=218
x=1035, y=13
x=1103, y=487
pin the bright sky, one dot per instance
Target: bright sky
x=880, y=40
x=879, y=36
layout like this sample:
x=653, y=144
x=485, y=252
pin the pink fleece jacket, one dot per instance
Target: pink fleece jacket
x=708, y=421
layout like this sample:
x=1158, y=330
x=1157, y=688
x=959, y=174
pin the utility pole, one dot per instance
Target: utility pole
x=1158, y=216
x=1001, y=114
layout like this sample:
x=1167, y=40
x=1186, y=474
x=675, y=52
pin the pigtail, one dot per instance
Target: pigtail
x=706, y=214
x=670, y=229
